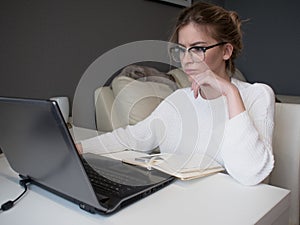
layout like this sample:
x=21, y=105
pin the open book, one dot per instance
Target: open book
x=184, y=167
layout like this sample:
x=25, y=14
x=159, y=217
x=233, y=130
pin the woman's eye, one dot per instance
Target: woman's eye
x=197, y=49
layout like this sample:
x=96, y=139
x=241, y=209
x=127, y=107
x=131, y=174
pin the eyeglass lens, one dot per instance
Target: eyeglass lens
x=178, y=53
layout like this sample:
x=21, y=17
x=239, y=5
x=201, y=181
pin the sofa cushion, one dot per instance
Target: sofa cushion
x=135, y=99
x=180, y=78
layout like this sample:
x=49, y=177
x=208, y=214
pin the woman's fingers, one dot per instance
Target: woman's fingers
x=79, y=148
x=195, y=87
x=206, y=78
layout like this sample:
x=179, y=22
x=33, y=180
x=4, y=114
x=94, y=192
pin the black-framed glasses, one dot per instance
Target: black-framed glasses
x=197, y=53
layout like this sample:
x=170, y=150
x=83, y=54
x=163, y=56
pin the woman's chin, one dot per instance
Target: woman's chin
x=190, y=78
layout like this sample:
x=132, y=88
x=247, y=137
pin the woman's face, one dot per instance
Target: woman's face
x=197, y=35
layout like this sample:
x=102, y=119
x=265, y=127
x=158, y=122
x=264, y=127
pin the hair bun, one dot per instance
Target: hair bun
x=235, y=18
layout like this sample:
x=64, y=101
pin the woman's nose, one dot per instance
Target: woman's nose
x=187, y=58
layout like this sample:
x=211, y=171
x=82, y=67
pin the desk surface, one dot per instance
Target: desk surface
x=216, y=199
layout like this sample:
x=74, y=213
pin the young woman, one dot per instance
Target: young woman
x=227, y=119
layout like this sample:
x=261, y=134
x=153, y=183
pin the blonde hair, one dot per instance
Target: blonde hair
x=223, y=25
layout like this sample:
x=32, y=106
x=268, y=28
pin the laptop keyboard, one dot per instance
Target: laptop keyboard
x=115, y=186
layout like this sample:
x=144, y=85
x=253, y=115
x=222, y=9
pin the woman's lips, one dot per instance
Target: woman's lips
x=190, y=72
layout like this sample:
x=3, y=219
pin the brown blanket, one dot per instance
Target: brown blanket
x=144, y=73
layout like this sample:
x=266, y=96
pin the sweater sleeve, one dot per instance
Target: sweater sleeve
x=146, y=135
x=247, y=143
x=141, y=136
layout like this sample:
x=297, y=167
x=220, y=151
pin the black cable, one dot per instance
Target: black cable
x=9, y=204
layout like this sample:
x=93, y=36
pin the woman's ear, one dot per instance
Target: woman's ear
x=227, y=51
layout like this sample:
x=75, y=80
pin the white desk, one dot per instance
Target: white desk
x=216, y=199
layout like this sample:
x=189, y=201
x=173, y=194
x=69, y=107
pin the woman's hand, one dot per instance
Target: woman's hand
x=79, y=148
x=206, y=82
x=211, y=85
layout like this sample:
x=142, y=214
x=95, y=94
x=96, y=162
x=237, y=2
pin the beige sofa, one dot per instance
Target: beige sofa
x=286, y=148
x=127, y=100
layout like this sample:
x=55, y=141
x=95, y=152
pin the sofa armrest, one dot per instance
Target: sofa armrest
x=104, y=99
x=288, y=99
x=286, y=148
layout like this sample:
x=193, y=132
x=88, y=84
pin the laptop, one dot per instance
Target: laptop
x=38, y=146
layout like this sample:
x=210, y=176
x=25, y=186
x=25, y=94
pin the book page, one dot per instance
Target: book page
x=188, y=166
x=179, y=165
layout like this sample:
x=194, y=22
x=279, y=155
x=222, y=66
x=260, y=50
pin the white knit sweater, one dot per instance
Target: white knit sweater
x=183, y=124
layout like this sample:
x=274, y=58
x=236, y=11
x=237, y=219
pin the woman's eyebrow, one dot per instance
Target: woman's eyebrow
x=198, y=43
x=194, y=43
